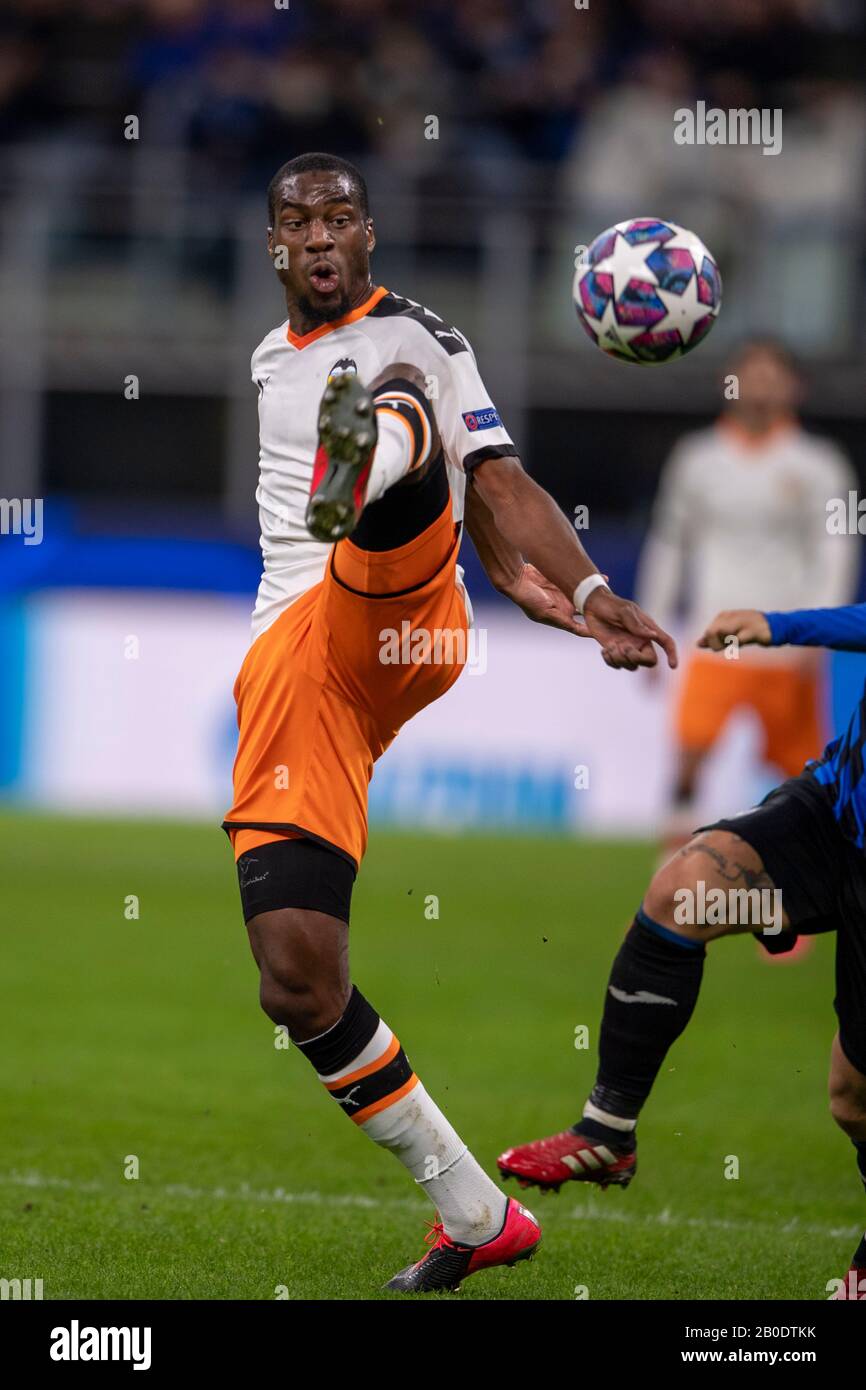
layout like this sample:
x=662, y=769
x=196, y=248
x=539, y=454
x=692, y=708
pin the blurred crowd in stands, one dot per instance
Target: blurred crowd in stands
x=243, y=83
x=559, y=113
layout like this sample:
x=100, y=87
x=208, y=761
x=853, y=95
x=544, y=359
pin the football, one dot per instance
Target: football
x=646, y=290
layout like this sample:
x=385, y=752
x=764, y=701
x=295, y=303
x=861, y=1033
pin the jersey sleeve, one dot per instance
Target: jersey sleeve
x=841, y=629
x=468, y=421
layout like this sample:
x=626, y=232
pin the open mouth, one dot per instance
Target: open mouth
x=324, y=278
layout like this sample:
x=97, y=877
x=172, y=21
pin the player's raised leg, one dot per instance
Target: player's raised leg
x=397, y=568
x=651, y=996
x=370, y=438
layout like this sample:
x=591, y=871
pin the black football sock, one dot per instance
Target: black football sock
x=860, y=1253
x=651, y=995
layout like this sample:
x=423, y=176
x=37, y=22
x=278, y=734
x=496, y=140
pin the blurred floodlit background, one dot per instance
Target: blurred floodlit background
x=122, y=630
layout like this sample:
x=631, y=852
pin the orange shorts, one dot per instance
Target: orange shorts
x=787, y=702
x=324, y=690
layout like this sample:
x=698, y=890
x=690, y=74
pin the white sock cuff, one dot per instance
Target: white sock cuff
x=393, y=457
x=443, y=1166
x=592, y=1112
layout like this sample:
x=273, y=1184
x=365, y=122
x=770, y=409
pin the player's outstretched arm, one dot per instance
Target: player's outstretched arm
x=842, y=629
x=518, y=521
x=508, y=572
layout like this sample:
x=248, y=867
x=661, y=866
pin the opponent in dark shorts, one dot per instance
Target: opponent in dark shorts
x=795, y=865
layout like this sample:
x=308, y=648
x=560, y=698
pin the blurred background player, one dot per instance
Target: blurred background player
x=741, y=515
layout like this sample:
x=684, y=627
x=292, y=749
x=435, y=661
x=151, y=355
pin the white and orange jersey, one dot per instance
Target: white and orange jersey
x=743, y=524
x=291, y=372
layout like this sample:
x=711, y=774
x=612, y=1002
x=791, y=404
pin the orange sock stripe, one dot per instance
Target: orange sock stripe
x=387, y=1056
x=425, y=424
x=383, y=1104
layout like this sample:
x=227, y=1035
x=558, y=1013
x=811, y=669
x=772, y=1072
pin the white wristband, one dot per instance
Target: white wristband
x=585, y=588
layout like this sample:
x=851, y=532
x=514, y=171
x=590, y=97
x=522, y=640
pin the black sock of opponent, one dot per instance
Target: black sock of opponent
x=651, y=995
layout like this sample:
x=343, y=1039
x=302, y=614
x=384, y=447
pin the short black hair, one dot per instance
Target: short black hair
x=318, y=162
x=772, y=346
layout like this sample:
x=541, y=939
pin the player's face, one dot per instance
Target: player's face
x=328, y=243
x=767, y=386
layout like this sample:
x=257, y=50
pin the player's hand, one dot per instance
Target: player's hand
x=627, y=636
x=747, y=625
x=542, y=601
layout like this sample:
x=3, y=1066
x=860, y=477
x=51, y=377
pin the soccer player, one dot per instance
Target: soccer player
x=374, y=427
x=806, y=840
x=740, y=519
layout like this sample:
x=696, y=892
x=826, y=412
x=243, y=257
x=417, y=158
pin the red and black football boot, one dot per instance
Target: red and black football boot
x=447, y=1262
x=341, y=468
x=854, y=1287
x=568, y=1157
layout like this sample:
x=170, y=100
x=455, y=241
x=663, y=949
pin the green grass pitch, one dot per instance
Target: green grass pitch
x=144, y=1037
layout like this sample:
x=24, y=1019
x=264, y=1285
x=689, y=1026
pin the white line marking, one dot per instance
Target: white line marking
x=280, y=1197
x=242, y=1193
x=794, y=1227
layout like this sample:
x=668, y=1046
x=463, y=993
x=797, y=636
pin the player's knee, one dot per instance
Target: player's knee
x=660, y=901
x=673, y=904
x=404, y=376
x=305, y=1007
x=690, y=893
x=402, y=371
x=848, y=1105
x=303, y=958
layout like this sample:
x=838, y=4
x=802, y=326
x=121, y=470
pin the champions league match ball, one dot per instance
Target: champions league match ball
x=647, y=291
